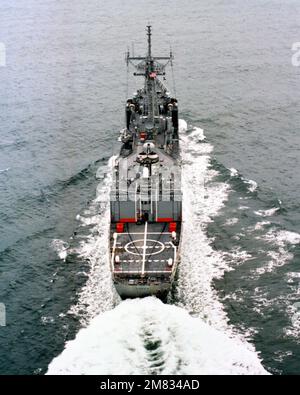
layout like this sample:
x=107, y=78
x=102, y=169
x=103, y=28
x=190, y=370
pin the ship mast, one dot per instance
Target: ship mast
x=146, y=65
x=150, y=67
x=149, y=40
x=150, y=82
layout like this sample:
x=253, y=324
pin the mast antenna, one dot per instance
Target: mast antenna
x=149, y=33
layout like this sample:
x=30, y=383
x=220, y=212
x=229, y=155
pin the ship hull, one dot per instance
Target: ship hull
x=140, y=291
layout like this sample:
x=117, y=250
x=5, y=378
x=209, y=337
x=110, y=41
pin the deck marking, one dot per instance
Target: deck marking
x=144, y=248
x=135, y=203
x=175, y=255
x=133, y=245
x=120, y=271
x=150, y=233
x=113, y=252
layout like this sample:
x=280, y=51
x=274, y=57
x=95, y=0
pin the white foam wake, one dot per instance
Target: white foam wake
x=145, y=336
x=283, y=237
x=281, y=240
x=260, y=225
x=98, y=294
x=61, y=248
x=200, y=264
x=197, y=133
x=233, y=172
x=267, y=213
x=251, y=185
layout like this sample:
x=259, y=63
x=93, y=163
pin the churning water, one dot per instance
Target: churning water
x=236, y=308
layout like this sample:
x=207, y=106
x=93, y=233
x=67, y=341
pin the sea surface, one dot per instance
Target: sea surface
x=237, y=304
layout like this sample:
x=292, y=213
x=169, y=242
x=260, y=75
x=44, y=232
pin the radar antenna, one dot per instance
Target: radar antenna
x=145, y=66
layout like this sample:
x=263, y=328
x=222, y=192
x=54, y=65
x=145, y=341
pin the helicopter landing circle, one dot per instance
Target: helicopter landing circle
x=153, y=247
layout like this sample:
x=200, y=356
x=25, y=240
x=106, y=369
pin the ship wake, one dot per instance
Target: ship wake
x=203, y=197
x=98, y=294
x=145, y=336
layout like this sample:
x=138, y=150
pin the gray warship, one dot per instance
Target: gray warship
x=146, y=197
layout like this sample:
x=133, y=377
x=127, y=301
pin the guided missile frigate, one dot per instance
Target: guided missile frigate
x=146, y=197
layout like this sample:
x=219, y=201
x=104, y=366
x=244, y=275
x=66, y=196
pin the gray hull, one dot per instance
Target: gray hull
x=140, y=291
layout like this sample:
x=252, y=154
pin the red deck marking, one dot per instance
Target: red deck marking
x=172, y=227
x=125, y=220
x=120, y=227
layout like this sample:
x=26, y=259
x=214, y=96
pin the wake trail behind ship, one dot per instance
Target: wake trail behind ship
x=145, y=336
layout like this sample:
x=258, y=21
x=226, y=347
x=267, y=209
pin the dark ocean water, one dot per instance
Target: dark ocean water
x=62, y=97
